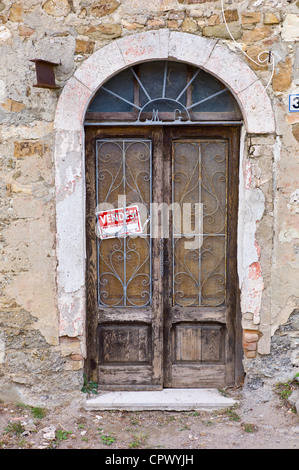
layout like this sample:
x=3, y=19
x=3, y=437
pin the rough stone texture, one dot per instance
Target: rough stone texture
x=42, y=305
x=290, y=28
x=57, y=8
x=104, y=31
x=249, y=17
x=282, y=78
x=220, y=31
x=256, y=34
x=104, y=7
x=295, y=130
x=271, y=18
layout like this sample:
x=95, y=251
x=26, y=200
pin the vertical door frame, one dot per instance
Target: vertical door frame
x=159, y=364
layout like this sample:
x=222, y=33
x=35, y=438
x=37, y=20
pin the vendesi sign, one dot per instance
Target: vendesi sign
x=119, y=222
x=294, y=103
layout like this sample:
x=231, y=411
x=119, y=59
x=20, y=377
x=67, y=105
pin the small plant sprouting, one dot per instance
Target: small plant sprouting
x=62, y=435
x=285, y=389
x=14, y=428
x=139, y=440
x=247, y=427
x=107, y=439
x=89, y=386
x=223, y=392
x=38, y=412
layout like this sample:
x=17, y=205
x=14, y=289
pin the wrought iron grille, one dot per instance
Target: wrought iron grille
x=199, y=179
x=124, y=262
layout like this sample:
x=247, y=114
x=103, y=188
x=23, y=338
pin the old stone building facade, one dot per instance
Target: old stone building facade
x=43, y=340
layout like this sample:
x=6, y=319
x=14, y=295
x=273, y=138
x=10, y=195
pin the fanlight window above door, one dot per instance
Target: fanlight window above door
x=163, y=92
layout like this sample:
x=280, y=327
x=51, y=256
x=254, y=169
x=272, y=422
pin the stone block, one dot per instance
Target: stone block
x=156, y=23
x=250, y=346
x=188, y=48
x=5, y=33
x=295, y=131
x=16, y=13
x=256, y=34
x=227, y=66
x=213, y=20
x=250, y=336
x=104, y=7
x=249, y=17
x=220, y=31
x=253, y=52
x=12, y=106
x=57, y=8
x=135, y=7
x=84, y=47
x=25, y=31
x=250, y=354
x=145, y=46
x=189, y=25
x=71, y=106
x=28, y=148
x=100, y=66
x=257, y=112
x=231, y=16
x=271, y=18
x=290, y=28
x=104, y=31
x=282, y=78
x=172, y=24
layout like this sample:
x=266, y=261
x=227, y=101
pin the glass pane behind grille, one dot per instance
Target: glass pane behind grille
x=166, y=89
x=124, y=262
x=199, y=182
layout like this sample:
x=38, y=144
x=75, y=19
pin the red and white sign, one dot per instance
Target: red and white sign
x=118, y=222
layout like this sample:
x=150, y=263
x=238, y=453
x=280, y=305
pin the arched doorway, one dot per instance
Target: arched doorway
x=218, y=61
x=162, y=186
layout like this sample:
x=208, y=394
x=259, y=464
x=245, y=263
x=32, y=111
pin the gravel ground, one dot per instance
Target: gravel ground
x=260, y=420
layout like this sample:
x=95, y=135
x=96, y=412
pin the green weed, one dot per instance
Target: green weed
x=107, y=439
x=285, y=389
x=139, y=440
x=247, y=427
x=15, y=429
x=62, y=435
x=36, y=411
x=89, y=386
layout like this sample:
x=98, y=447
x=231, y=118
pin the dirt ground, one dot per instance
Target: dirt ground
x=258, y=421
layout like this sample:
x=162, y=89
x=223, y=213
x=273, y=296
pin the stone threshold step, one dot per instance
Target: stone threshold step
x=163, y=400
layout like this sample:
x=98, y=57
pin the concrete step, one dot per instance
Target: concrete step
x=163, y=400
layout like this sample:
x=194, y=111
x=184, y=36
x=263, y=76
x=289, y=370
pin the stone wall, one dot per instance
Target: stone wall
x=37, y=361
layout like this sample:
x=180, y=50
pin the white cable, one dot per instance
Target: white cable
x=260, y=63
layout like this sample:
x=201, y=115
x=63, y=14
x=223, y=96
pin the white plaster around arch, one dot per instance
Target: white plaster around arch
x=210, y=55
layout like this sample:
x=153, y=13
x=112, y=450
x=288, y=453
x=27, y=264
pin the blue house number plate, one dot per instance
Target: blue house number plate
x=294, y=103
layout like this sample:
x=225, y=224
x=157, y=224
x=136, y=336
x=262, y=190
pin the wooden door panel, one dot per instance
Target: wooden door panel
x=126, y=315
x=200, y=312
x=162, y=311
x=125, y=344
x=198, y=343
x=198, y=376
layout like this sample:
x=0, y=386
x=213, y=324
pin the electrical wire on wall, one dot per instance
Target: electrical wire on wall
x=270, y=59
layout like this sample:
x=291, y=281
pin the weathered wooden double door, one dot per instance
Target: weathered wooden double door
x=161, y=292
